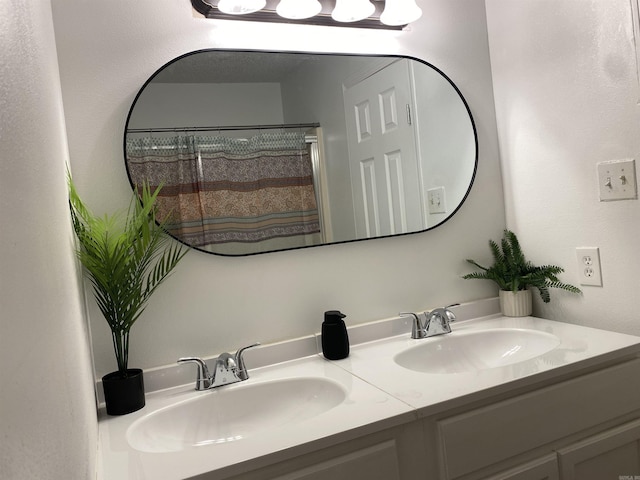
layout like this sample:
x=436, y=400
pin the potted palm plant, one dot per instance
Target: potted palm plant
x=514, y=274
x=126, y=258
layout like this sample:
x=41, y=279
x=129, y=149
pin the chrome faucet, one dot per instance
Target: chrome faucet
x=227, y=369
x=436, y=322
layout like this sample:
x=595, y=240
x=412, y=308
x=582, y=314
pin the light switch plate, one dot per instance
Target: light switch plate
x=617, y=180
x=436, y=200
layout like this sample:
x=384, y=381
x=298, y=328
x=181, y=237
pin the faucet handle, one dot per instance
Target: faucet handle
x=241, y=369
x=417, y=330
x=203, y=381
x=450, y=315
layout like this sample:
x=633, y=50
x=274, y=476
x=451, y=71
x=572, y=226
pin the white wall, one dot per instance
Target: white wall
x=566, y=87
x=167, y=105
x=213, y=304
x=47, y=406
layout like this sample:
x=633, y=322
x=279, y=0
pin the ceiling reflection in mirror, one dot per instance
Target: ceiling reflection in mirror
x=265, y=151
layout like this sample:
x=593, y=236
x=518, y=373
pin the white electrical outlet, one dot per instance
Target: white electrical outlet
x=589, y=266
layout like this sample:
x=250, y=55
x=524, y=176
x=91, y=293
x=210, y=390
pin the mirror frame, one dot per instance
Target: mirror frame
x=446, y=77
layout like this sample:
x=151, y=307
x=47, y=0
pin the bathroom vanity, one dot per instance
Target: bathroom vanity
x=499, y=398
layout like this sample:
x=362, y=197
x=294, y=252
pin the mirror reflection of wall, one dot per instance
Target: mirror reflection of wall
x=390, y=147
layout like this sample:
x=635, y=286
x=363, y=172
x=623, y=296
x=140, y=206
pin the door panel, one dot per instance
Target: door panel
x=382, y=154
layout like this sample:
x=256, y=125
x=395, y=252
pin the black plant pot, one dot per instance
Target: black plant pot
x=123, y=394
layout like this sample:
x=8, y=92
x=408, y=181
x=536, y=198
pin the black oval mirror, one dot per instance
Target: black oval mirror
x=265, y=151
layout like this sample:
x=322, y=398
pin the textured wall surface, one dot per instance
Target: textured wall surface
x=566, y=88
x=48, y=426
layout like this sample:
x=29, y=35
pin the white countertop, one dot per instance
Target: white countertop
x=579, y=347
x=380, y=394
x=365, y=407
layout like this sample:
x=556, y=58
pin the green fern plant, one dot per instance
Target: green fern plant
x=513, y=272
x=125, y=258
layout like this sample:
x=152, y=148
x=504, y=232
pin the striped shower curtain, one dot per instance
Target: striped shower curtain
x=219, y=190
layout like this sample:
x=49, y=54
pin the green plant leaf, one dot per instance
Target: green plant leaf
x=126, y=258
x=511, y=271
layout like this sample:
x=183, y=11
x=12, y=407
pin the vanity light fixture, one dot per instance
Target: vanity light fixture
x=380, y=14
x=400, y=12
x=298, y=9
x=352, y=10
x=240, y=7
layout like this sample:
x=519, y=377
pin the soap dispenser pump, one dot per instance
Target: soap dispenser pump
x=335, y=340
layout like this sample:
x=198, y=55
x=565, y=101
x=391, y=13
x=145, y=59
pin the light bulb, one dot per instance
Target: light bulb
x=352, y=10
x=400, y=12
x=298, y=9
x=240, y=7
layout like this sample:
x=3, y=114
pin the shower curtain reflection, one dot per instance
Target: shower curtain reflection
x=231, y=195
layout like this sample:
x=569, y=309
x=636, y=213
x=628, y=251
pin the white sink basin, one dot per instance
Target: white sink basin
x=233, y=413
x=460, y=352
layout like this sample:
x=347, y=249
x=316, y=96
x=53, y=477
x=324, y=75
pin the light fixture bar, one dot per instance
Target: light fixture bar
x=209, y=9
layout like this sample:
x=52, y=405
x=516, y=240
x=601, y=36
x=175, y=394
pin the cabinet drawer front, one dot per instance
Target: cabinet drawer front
x=482, y=437
x=542, y=469
x=612, y=454
x=378, y=462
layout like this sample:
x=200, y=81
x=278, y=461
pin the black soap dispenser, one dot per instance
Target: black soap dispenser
x=335, y=340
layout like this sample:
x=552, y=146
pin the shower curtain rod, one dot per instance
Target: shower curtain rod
x=223, y=128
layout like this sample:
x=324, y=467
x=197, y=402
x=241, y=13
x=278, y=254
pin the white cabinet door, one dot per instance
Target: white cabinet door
x=542, y=417
x=614, y=454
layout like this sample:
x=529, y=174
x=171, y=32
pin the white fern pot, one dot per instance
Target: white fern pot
x=518, y=304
